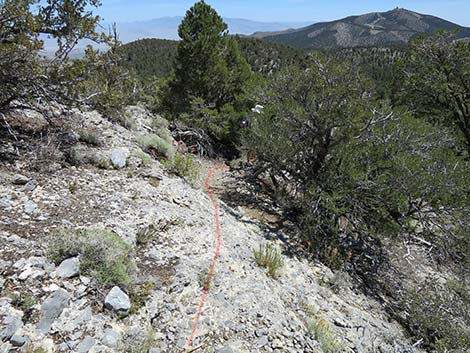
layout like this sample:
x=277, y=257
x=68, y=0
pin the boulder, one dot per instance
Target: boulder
x=119, y=157
x=85, y=345
x=11, y=324
x=52, y=308
x=69, y=268
x=31, y=185
x=30, y=207
x=118, y=301
x=111, y=338
x=18, y=340
x=19, y=179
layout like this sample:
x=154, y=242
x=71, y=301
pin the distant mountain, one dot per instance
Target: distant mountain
x=394, y=27
x=167, y=27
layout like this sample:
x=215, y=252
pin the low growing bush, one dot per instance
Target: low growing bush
x=270, y=258
x=157, y=145
x=329, y=343
x=183, y=166
x=89, y=137
x=103, y=254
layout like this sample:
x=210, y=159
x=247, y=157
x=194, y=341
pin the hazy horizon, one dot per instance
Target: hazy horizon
x=457, y=11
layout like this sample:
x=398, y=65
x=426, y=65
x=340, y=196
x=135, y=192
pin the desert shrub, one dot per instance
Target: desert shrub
x=103, y=83
x=73, y=187
x=183, y=166
x=156, y=144
x=160, y=124
x=141, y=343
x=354, y=175
x=89, y=136
x=103, y=254
x=144, y=157
x=269, y=257
x=435, y=77
x=101, y=161
x=30, y=348
x=438, y=313
x=25, y=76
x=146, y=234
x=138, y=295
x=24, y=301
x=329, y=343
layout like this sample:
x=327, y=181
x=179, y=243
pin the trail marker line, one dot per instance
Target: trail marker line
x=214, y=259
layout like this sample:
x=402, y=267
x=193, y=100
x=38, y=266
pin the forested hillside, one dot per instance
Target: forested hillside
x=149, y=57
x=155, y=57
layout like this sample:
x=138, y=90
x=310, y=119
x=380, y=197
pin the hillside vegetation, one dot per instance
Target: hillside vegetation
x=349, y=189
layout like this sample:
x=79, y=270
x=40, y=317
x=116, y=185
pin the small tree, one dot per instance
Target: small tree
x=209, y=68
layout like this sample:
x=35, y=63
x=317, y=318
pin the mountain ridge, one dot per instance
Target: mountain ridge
x=394, y=27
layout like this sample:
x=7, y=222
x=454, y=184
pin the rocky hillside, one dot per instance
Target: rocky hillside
x=394, y=27
x=107, y=252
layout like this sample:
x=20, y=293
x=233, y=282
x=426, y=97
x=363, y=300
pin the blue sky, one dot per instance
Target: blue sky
x=282, y=10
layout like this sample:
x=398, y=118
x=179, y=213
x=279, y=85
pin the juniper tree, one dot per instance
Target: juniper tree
x=24, y=74
x=436, y=77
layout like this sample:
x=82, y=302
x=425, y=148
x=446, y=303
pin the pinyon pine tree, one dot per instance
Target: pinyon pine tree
x=209, y=69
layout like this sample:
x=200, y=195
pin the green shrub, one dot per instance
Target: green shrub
x=146, y=234
x=103, y=254
x=139, y=294
x=160, y=124
x=101, y=161
x=153, y=143
x=73, y=187
x=329, y=343
x=183, y=166
x=270, y=258
x=144, y=157
x=23, y=301
x=30, y=348
x=89, y=136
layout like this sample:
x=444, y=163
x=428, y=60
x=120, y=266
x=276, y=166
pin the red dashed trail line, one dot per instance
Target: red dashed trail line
x=215, y=257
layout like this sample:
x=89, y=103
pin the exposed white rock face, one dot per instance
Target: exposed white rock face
x=119, y=157
x=118, y=301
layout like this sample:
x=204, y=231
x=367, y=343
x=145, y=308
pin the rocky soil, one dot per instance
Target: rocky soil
x=55, y=308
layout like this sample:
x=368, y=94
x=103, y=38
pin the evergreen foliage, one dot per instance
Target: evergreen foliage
x=436, y=76
x=149, y=58
x=24, y=75
x=209, y=65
